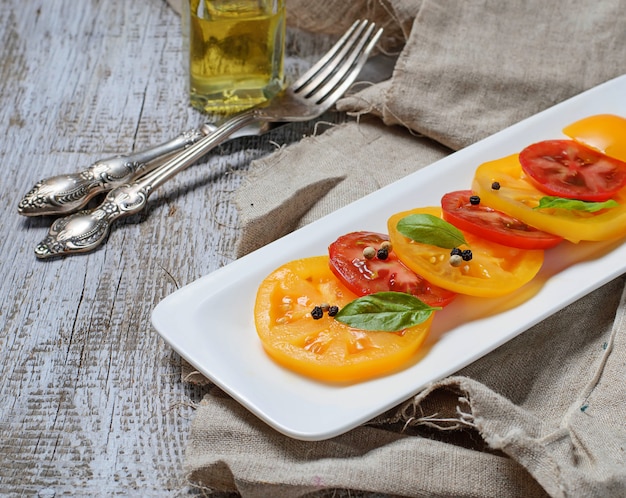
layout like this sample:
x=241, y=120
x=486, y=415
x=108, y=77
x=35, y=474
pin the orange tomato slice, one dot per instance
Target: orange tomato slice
x=494, y=270
x=605, y=133
x=325, y=349
x=518, y=198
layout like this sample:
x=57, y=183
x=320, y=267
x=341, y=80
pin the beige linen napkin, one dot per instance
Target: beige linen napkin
x=543, y=414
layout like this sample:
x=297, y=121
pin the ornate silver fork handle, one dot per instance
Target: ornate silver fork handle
x=65, y=194
x=85, y=230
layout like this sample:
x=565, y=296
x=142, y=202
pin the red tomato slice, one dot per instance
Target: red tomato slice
x=565, y=168
x=367, y=276
x=493, y=225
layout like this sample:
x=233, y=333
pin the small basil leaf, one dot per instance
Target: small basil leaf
x=429, y=229
x=386, y=311
x=574, y=204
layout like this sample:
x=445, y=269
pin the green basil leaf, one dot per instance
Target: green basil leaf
x=429, y=229
x=387, y=311
x=574, y=204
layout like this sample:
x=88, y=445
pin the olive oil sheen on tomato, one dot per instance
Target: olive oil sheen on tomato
x=236, y=52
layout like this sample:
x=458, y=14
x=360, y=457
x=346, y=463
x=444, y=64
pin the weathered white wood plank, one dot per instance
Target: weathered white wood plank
x=92, y=399
x=94, y=403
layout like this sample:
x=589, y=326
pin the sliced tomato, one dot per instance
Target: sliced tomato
x=491, y=224
x=325, y=349
x=494, y=270
x=366, y=276
x=565, y=168
x=519, y=198
x=605, y=133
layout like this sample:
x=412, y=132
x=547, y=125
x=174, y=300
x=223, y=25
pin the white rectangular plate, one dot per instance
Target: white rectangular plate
x=210, y=321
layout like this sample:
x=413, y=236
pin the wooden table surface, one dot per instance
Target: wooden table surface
x=92, y=399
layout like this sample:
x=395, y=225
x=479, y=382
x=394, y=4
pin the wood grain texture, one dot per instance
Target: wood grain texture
x=92, y=403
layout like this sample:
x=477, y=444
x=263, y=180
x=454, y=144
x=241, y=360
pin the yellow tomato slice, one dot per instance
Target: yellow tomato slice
x=605, y=133
x=494, y=269
x=517, y=197
x=325, y=349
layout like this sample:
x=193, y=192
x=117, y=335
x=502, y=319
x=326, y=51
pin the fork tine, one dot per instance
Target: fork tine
x=346, y=72
x=313, y=70
x=325, y=73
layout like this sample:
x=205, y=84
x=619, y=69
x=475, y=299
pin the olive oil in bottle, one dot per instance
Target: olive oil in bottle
x=235, y=52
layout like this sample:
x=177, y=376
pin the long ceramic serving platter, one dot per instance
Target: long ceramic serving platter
x=210, y=322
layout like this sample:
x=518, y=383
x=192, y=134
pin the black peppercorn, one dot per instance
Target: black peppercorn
x=333, y=310
x=474, y=200
x=317, y=313
x=456, y=251
x=495, y=185
x=383, y=253
x=466, y=255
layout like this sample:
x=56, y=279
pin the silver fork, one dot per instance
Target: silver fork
x=67, y=193
x=309, y=97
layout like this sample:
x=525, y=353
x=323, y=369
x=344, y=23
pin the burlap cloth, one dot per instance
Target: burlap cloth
x=542, y=415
